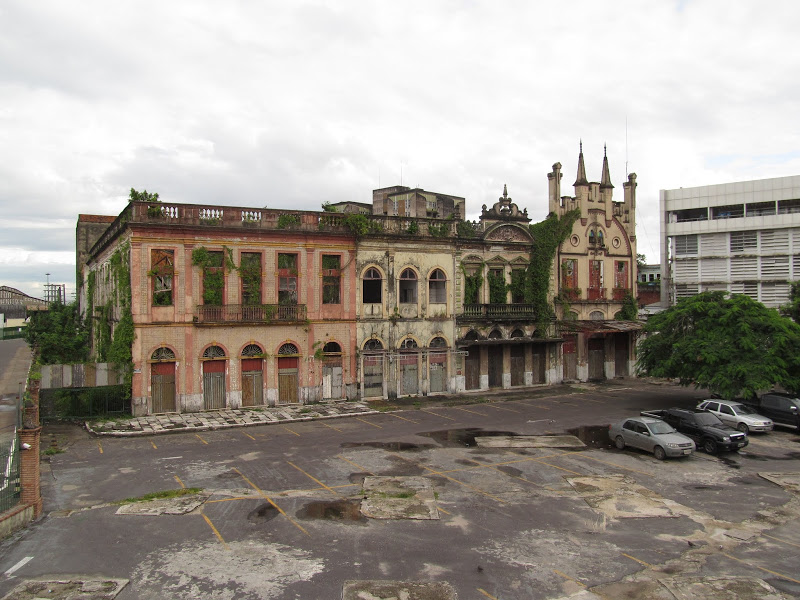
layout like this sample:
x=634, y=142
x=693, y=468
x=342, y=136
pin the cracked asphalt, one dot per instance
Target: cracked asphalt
x=283, y=519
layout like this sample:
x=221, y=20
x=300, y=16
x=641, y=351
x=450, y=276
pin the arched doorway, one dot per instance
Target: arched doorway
x=162, y=380
x=332, y=388
x=373, y=368
x=437, y=365
x=214, y=378
x=252, y=375
x=288, y=374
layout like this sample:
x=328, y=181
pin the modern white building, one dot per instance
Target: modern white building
x=743, y=238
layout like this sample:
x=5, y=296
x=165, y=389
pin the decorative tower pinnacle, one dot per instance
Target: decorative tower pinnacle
x=605, y=180
x=581, y=180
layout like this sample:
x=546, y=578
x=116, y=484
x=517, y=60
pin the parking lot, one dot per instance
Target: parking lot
x=283, y=508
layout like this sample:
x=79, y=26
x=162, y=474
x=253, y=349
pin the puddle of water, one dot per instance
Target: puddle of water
x=333, y=510
x=594, y=436
x=228, y=475
x=395, y=446
x=510, y=471
x=265, y=512
x=358, y=478
x=463, y=438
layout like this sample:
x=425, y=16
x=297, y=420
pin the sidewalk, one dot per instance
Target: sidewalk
x=225, y=419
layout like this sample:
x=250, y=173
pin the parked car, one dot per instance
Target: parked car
x=652, y=435
x=705, y=429
x=736, y=414
x=782, y=408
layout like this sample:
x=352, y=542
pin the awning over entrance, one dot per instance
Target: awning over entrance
x=607, y=326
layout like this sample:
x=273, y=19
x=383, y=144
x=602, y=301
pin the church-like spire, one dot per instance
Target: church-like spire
x=605, y=180
x=581, y=180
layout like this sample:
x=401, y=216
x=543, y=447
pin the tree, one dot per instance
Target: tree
x=733, y=346
x=143, y=196
x=58, y=335
x=792, y=309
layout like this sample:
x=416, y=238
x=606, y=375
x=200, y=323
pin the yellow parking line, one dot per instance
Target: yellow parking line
x=100, y=447
x=214, y=529
x=427, y=410
x=356, y=465
x=180, y=483
x=470, y=411
x=502, y=408
x=201, y=439
x=781, y=575
x=565, y=576
x=314, y=479
x=368, y=423
x=777, y=539
x=154, y=444
x=487, y=594
x=291, y=430
x=399, y=417
x=560, y=468
x=248, y=435
x=331, y=427
x=268, y=499
x=641, y=562
x=440, y=509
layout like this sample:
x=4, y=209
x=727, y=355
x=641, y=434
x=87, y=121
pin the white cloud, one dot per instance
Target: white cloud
x=295, y=103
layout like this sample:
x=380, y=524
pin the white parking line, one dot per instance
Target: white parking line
x=19, y=565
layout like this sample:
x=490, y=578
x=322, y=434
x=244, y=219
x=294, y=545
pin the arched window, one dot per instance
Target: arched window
x=517, y=333
x=372, y=287
x=437, y=287
x=438, y=342
x=597, y=315
x=599, y=237
x=373, y=345
x=495, y=335
x=332, y=348
x=214, y=352
x=592, y=237
x=472, y=336
x=408, y=287
x=408, y=344
x=252, y=350
x=163, y=353
x=288, y=349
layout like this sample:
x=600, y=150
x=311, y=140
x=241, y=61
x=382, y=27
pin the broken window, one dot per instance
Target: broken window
x=162, y=269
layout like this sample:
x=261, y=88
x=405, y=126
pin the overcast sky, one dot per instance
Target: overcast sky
x=291, y=104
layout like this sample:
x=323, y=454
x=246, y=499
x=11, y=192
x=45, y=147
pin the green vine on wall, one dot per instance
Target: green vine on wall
x=472, y=285
x=630, y=309
x=498, y=290
x=547, y=236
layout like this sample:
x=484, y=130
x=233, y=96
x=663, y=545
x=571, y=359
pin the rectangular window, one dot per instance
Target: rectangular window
x=331, y=278
x=595, y=273
x=742, y=241
x=518, y=286
x=685, y=244
x=287, y=279
x=250, y=274
x=621, y=274
x=569, y=274
x=214, y=279
x=162, y=269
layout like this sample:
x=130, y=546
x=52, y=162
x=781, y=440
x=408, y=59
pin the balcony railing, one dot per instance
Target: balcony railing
x=498, y=311
x=596, y=293
x=251, y=313
x=618, y=294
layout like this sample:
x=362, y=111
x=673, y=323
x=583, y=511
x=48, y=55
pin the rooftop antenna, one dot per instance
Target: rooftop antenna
x=626, y=146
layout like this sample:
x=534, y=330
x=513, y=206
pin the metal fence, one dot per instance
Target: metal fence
x=74, y=403
x=12, y=333
x=9, y=456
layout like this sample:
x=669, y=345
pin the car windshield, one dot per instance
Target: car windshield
x=741, y=409
x=660, y=428
x=708, y=419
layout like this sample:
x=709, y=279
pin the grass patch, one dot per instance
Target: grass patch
x=51, y=450
x=162, y=495
x=405, y=494
x=305, y=411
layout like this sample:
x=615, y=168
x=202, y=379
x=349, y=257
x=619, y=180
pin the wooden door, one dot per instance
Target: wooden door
x=495, y=366
x=518, y=364
x=252, y=382
x=597, y=358
x=570, y=357
x=162, y=386
x=409, y=375
x=332, y=378
x=621, y=354
x=373, y=376
x=213, y=384
x=539, y=355
x=437, y=373
x=288, y=380
x=472, y=368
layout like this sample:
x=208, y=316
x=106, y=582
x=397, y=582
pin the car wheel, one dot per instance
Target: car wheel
x=710, y=446
x=619, y=442
x=659, y=453
x=743, y=428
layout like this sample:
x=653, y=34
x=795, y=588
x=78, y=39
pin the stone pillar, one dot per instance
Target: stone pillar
x=31, y=491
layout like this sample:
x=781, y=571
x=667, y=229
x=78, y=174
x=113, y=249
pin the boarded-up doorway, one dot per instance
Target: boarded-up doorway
x=570, y=357
x=214, y=384
x=597, y=358
x=162, y=386
x=332, y=378
x=495, y=366
x=539, y=353
x=518, y=365
x=472, y=368
x=621, y=348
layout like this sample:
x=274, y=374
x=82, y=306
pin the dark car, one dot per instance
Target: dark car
x=707, y=431
x=782, y=408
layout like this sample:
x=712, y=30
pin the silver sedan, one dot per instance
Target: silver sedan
x=652, y=435
x=736, y=414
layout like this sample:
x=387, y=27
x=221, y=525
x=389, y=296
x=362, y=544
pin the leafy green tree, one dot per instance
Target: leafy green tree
x=58, y=334
x=732, y=346
x=143, y=196
x=630, y=309
x=792, y=309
